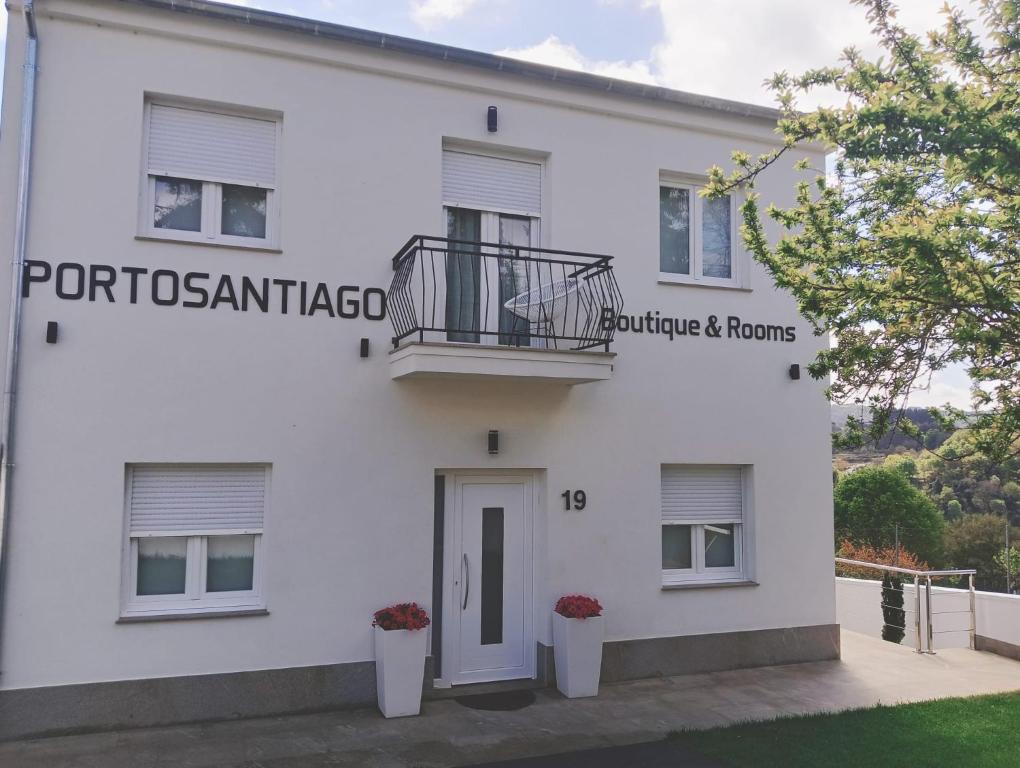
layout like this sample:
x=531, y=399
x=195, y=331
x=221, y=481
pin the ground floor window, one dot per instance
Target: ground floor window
x=702, y=523
x=194, y=538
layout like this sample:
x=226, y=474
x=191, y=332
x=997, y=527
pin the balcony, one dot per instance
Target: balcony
x=472, y=309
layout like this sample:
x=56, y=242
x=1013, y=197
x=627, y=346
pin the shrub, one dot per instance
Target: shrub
x=578, y=607
x=871, y=502
x=401, y=616
x=869, y=554
x=894, y=618
x=973, y=541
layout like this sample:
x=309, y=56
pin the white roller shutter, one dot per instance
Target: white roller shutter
x=492, y=183
x=209, y=146
x=195, y=499
x=702, y=494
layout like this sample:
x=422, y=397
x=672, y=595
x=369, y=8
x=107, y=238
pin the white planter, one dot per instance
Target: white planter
x=577, y=648
x=399, y=670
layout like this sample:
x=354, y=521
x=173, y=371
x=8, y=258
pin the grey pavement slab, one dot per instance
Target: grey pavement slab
x=448, y=734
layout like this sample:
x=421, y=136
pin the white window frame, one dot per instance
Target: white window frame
x=699, y=572
x=195, y=600
x=212, y=191
x=738, y=256
x=742, y=570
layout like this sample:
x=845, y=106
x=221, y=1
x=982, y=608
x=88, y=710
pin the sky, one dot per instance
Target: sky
x=723, y=48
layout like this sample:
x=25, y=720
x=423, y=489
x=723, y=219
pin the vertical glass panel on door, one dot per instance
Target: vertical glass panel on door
x=230, y=563
x=675, y=230
x=720, y=550
x=178, y=204
x=162, y=565
x=676, y=547
x=243, y=211
x=492, y=576
x=515, y=279
x=716, y=227
x=463, y=275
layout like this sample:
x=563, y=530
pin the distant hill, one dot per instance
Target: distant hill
x=933, y=435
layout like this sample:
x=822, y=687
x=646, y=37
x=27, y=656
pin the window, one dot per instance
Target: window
x=702, y=524
x=696, y=237
x=194, y=538
x=210, y=176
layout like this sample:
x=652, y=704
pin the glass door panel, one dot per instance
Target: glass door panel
x=463, y=275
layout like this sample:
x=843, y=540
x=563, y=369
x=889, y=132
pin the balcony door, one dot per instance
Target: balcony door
x=493, y=199
x=488, y=581
x=481, y=279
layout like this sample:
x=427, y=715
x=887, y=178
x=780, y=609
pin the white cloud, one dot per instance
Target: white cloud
x=950, y=385
x=555, y=53
x=429, y=13
x=730, y=49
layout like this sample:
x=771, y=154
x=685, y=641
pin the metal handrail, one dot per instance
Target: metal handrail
x=928, y=575
x=911, y=571
x=508, y=295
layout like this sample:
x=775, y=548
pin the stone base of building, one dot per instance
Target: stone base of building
x=63, y=709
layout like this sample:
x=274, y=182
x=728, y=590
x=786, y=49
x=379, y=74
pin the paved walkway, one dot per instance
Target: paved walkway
x=449, y=734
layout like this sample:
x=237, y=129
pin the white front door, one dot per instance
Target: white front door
x=490, y=584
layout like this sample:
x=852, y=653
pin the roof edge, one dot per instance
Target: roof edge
x=463, y=56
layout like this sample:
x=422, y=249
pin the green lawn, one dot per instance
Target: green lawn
x=980, y=732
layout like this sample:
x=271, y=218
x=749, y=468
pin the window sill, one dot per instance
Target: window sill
x=709, y=584
x=667, y=279
x=209, y=244
x=136, y=618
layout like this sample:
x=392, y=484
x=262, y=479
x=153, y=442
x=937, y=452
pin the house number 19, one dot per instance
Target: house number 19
x=576, y=500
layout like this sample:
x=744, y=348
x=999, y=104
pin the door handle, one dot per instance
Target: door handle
x=466, y=567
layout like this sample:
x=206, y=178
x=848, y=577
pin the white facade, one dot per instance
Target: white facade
x=350, y=452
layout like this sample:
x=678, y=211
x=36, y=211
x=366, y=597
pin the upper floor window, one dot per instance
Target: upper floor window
x=210, y=176
x=194, y=538
x=696, y=237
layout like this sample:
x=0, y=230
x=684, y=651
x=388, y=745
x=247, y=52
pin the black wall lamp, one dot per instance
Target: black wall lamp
x=51, y=332
x=492, y=122
x=493, y=441
x=795, y=372
x=364, y=347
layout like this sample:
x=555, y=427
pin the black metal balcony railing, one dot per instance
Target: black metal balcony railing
x=458, y=290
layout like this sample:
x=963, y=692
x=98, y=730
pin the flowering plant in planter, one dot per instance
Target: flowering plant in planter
x=401, y=616
x=400, y=658
x=578, y=607
x=577, y=645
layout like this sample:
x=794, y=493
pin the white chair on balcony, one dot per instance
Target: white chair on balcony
x=547, y=304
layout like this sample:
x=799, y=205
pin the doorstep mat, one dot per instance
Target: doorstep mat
x=504, y=701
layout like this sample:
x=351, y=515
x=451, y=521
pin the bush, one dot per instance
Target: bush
x=903, y=464
x=974, y=541
x=869, y=554
x=954, y=510
x=893, y=616
x=870, y=502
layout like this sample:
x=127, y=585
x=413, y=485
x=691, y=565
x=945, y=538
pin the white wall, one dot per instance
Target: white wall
x=349, y=528
x=858, y=608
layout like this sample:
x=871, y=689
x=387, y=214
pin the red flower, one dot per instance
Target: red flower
x=401, y=616
x=578, y=607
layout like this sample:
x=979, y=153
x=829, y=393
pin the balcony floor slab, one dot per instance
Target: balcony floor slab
x=444, y=360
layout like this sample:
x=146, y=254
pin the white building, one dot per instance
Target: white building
x=212, y=421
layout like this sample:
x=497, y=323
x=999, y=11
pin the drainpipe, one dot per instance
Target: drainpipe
x=17, y=267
